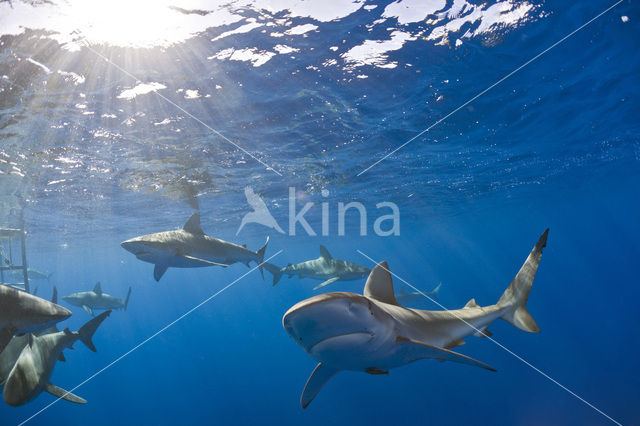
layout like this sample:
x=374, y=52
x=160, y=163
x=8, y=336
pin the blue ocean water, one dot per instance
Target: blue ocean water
x=110, y=124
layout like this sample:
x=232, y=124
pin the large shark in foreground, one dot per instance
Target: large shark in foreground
x=96, y=299
x=324, y=268
x=189, y=247
x=373, y=333
x=32, y=371
x=21, y=312
x=12, y=351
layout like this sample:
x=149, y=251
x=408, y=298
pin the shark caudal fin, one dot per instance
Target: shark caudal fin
x=260, y=254
x=274, y=270
x=86, y=331
x=516, y=295
x=126, y=301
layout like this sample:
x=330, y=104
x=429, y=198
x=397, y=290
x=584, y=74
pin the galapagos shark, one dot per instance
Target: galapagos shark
x=324, y=268
x=32, y=371
x=96, y=299
x=405, y=296
x=189, y=247
x=21, y=312
x=12, y=351
x=373, y=333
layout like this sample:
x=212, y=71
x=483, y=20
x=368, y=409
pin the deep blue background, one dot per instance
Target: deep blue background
x=554, y=146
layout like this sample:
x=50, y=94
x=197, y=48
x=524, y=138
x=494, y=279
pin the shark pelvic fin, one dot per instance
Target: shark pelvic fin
x=97, y=289
x=321, y=375
x=193, y=225
x=415, y=350
x=325, y=253
x=379, y=285
x=63, y=394
x=159, y=270
x=327, y=282
x=88, y=309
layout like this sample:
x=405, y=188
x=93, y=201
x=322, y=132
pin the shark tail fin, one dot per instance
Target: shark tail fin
x=516, y=295
x=275, y=271
x=126, y=301
x=86, y=331
x=261, y=256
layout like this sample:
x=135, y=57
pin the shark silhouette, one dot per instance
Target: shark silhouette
x=260, y=213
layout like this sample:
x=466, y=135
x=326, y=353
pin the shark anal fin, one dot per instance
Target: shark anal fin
x=159, y=270
x=88, y=309
x=483, y=332
x=415, y=350
x=375, y=371
x=63, y=394
x=455, y=344
x=327, y=282
x=321, y=375
x=6, y=334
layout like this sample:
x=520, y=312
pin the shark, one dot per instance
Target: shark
x=32, y=371
x=96, y=299
x=405, y=296
x=12, y=351
x=373, y=333
x=325, y=268
x=190, y=247
x=21, y=313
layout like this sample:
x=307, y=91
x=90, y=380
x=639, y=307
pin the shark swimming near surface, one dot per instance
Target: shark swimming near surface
x=372, y=333
x=96, y=299
x=405, y=296
x=189, y=247
x=21, y=312
x=324, y=268
x=32, y=371
x=12, y=351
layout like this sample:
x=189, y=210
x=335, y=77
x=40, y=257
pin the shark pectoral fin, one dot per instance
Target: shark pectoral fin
x=88, y=309
x=159, y=270
x=327, y=282
x=208, y=262
x=6, y=334
x=317, y=380
x=62, y=358
x=63, y=394
x=415, y=350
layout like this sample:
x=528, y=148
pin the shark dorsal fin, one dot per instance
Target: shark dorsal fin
x=471, y=304
x=193, y=224
x=379, y=285
x=97, y=289
x=325, y=253
x=54, y=298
